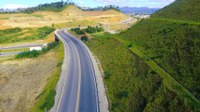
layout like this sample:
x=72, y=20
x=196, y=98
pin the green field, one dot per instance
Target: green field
x=24, y=35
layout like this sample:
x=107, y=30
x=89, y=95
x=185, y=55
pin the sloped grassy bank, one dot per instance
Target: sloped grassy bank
x=132, y=84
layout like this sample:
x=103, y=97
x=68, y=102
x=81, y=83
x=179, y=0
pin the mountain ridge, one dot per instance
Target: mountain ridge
x=138, y=10
x=187, y=10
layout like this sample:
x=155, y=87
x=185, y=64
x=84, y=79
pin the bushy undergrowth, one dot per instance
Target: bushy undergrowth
x=36, y=53
x=89, y=29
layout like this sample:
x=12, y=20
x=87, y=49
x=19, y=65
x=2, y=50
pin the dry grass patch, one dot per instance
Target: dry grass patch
x=22, y=81
x=70, y=15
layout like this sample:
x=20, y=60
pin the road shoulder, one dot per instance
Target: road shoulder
x=103, y=101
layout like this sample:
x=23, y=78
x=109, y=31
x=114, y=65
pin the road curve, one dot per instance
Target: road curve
x=79, y=90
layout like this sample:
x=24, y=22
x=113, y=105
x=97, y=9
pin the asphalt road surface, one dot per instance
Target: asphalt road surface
x=16, y=47
x=79, y=93
x=21, y=46
x=8, y=53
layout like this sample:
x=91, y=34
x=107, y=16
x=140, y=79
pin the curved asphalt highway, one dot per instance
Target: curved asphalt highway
x=79, y=93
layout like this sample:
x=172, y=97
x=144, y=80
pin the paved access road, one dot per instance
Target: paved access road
x=16, y=47
x=79, y=92
x=21, y=46
x=8, y=53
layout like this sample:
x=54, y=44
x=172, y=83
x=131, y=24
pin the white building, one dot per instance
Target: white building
x=36, y=48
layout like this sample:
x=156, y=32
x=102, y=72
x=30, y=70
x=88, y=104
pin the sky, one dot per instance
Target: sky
x=88, y=3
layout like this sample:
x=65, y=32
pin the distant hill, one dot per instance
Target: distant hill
x=138, y=10
x=181, y=9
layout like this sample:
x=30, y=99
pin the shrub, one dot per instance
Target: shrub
x=28, y=54
x=84, y=38
x=34, y=53
x=107, y=75
x=89, y=29
x=78, y=31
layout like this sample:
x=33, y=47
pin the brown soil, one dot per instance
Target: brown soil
x=70, y=14
x=21, y=81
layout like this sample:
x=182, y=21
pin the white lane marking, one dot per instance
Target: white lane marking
x=79, y=77
x=92, y=68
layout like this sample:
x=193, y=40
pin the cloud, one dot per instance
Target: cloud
x=14, y=6
x=80, y=2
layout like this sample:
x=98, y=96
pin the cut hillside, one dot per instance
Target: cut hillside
x=71, y=9
x=187, y=10
x=69, y=17
x=25, y=83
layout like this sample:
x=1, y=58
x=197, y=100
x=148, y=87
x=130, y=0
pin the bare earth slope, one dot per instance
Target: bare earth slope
x=68, y=15
x=22, y=81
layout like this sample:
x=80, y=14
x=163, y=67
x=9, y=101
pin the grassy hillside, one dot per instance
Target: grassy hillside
x=154, y=66
x=173, y=46
x=188, y=10
x=28, y=34
x=132, y=85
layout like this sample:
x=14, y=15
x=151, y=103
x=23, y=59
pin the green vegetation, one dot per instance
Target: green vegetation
x=187, y=10
x=78, y=31
x=154, y=66
x=132, y=84
x=89, y=29
x=18, y=34
x=45, y=100
x=84, y=38
x=10, y=31
x=173, y=46
x=34, y=53
x=96, y=29
x=54, y=6
x=102, y=8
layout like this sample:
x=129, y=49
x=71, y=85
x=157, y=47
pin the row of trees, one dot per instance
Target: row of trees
x=89, y=29
x=56, y=6
x=101, y=8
